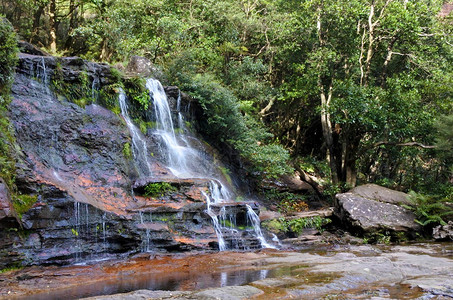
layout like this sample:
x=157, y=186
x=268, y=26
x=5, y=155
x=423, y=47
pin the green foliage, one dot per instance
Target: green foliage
x=444, y=137
x=296, y=226
x=136, y=90
x=8, y=61
x=144, y=126
x=22, y=203
x=8, y=54
x=127, y=152
x=108, y=97
x=74, y=232
x=159, y=189
x=429, y=210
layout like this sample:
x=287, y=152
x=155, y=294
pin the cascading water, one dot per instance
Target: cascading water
x=179, y=155
x=146, y=218
x=139, y=147
x=255, y=222
x=41, y=73
x=184, y=161
x=215, y=221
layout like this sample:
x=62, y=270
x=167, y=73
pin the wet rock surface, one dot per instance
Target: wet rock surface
x=371, y=209
x=7, y=212
x=90, y=201
x=414, y=271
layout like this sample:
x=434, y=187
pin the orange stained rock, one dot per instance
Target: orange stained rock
x=195, y=241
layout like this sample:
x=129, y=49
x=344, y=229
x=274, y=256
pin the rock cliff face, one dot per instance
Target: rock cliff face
x=90, y=201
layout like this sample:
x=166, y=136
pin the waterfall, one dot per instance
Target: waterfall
x=184, y=161
x=178, y=154
x=139, y=147
x=255, y=222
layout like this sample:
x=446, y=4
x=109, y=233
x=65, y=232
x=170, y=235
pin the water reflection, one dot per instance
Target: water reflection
x=127, y=282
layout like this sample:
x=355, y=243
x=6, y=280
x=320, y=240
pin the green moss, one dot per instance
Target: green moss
x=144, y=126
x=22, y=203
x=227, y=223
x=226, y=174
x=159, y=189
x=127, y=150
x=11, y=268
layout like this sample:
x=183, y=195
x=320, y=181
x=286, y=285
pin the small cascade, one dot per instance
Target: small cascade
x=215, y=221
x=145, y=219
x=229, y=224
x=104, y=233
x=95, y=88
x=76, y=231
x=178, y=109
x=86, y=232
x=255, y=222
x=139, y=149
x=41, y=73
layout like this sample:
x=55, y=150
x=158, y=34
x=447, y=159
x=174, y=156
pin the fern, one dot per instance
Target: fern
x=428, y=209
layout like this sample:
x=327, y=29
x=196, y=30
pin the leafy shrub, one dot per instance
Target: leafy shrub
x=135, y=88
x=297, y=225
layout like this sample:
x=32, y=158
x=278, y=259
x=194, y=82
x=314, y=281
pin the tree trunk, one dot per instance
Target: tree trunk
x=325, y=105
x=36, y=22
x=327, y=130
x=53, y=26
x=73, y=11
x=350, y=168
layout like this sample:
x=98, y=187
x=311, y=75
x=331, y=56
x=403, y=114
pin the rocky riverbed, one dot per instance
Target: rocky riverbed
x=410, y=271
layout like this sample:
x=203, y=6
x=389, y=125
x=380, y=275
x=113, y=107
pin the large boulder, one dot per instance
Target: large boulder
x=372, y=209
x=381, y=194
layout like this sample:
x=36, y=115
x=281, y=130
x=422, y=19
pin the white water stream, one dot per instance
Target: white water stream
x=184, y=161
x=139, y=147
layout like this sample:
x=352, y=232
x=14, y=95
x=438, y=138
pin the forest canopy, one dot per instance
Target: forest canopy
x=357, y=91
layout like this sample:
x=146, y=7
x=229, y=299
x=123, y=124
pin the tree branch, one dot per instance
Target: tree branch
x=409, y=144
x=310, y=180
